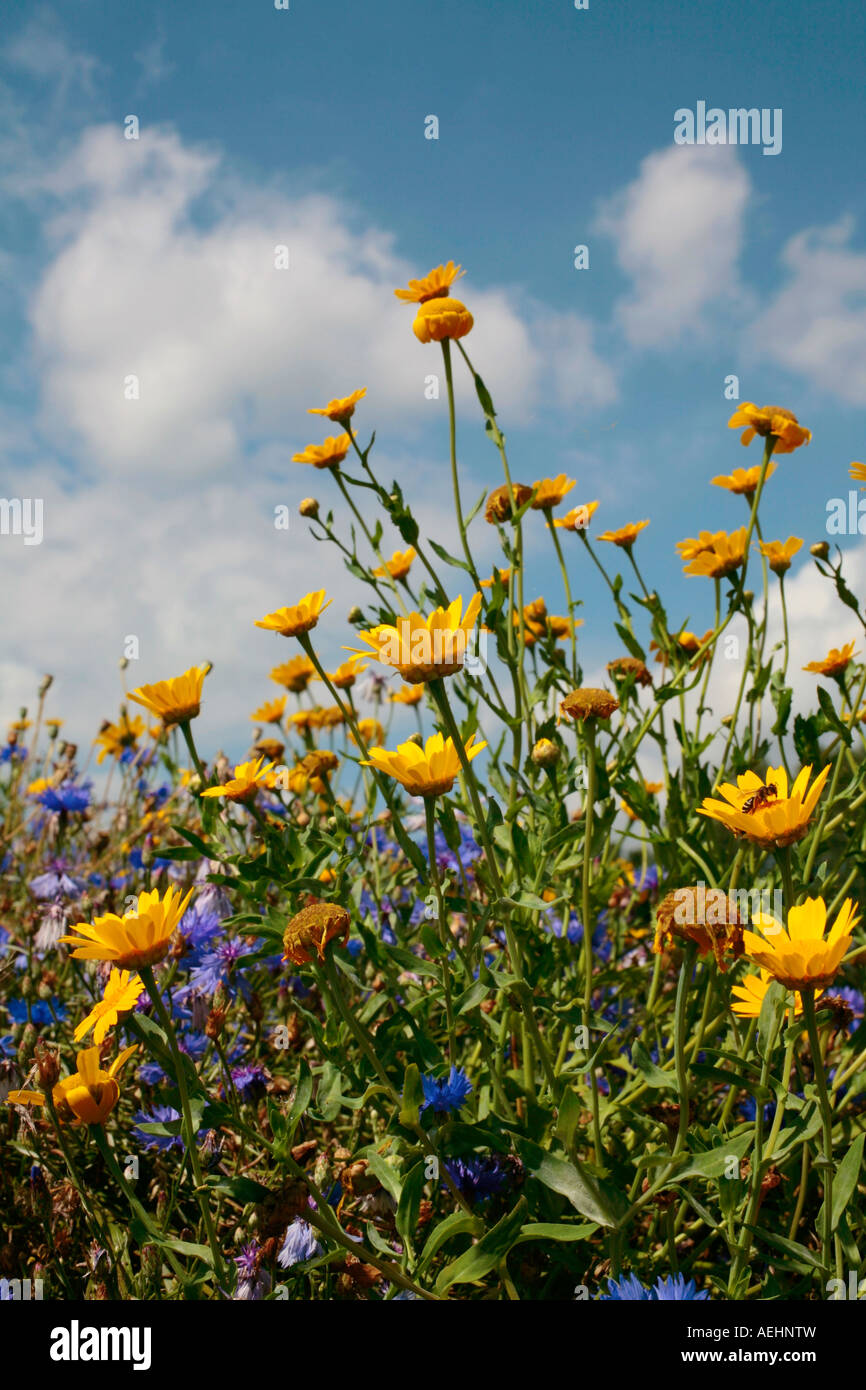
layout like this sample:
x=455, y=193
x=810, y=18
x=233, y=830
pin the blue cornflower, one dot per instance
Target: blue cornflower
x=253, y=1282
x=250, y=1081
x=12, y=753
x=55, y=882
x=627, y=1289
x=380, y=916
x=163, y=1115
x=676, y=1288
x=42, y=1012
x=446, y=1093
x=300, y=1244
x=69, y=796
x=479, y=1176
x=218, y=967
x=151, y=1073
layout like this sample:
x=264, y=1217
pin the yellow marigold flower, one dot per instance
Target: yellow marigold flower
x=371, y=731
x=118, y=997
x=587, y=702
x=407, y=695
x=779, y=554
x=424, y=649
x=398, y=566
x=561, y=627
x=311, y=929
x=297, y=618
x=834, y=663
x=424, y=772
x=54, y=723
x=142, y=937
x=749, y=995
x=270, y=748
x=434, y=285
x=305, y=719
x=295, y=675
x=341, y=409
x=271, y=712
x=326, y=455
x=625, y=666
x=743, y=481
x=766, y=812
x=250, y=778
x=504, y=501
x=626, y=536
x=86, y=1097
x=727, y=553
x=345, y=675
x=442, y=318
x=710, y=918
x=549, y=492
x=770, y=419
x=327, y=717
x=313, y=770
x=176, y=700
x=801, y=957
x=115, y=739
x=502, y=575
x=857, y=471
x=39, y=786
x=693, y=546
x=578, y=518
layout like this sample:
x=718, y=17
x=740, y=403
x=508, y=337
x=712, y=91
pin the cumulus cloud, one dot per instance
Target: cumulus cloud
x=678, y=231
x=167, y=272
x=816, y=324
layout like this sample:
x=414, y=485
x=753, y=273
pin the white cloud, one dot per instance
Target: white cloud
x=678, y=230
x=166, y=271
x=816, y=324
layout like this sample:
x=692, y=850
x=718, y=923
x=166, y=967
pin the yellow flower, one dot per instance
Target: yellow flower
x=295, y=675
x=857, y=471
x=313, y=770
x=40, y=785
x=326, y=455
x=779, y=554
x=743, y=481
x=118, y=997
x=775, y=817
x=271, y=748
x=442, y=318
x=693, y=546
x=407, y=695
x=801, y=957
x=626, y=535
x=424, y=649
x=578, y=518
x=117, y=738
x=297, y=618
x=141, y=937
x=345, y=675
x=89, y=1095
x=625, y=666
x=502, y=575
x=504, y=501
x=750, y=994
x=271, y=712
x=770, y=419
x=398, y=566
x=834, y=663
x=176, y=700
x=311, y=929
x=424, y=772
x=549, y=492
x=371, y=731
x=250, y=778
x=727, y=553
x=329, y=717
x=341, y=409
x=589, y=703
x=434, y=285
x=710, y=919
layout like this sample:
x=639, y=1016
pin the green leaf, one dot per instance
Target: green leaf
x=548, y=1230
x=413, y=1096
x=846, y=1179
x=458, y=1224
x=240, y=1189
x=571, y=1180
x=409, y=1204
x=478, y=1261
x=652, y=1075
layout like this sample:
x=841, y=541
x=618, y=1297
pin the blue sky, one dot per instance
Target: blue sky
x=307, y=126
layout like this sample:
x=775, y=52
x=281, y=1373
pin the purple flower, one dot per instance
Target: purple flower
x=67, y=797
x=299, y=1245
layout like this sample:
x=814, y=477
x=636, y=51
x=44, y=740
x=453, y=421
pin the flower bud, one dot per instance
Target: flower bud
x=820, y=550
x=309, y=507
x=545, y=753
